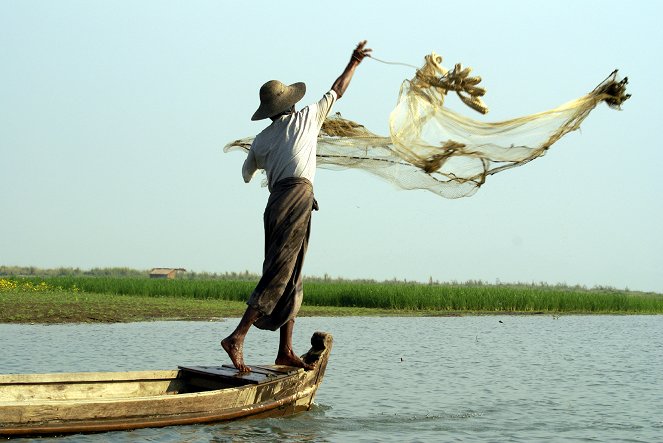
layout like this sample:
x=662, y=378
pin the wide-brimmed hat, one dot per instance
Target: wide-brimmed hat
x=275, y=97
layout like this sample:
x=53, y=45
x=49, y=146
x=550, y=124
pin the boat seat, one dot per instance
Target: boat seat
x=230, y=375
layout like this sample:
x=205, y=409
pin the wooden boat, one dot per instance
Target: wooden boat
x=48, y=404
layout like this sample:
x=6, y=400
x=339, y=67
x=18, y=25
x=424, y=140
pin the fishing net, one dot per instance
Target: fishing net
x=431, y=147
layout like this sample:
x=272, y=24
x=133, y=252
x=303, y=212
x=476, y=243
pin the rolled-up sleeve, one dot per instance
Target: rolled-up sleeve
x=249, y=168
x=325, y=105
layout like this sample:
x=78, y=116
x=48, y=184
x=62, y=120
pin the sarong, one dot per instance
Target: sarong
x=287, y=219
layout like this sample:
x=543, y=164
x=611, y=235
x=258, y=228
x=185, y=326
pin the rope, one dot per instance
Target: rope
x=391, y=63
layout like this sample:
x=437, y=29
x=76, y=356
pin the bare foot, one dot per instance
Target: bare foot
x=291, y=359
x=235, y=352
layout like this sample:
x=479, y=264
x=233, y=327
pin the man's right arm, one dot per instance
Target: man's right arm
x=342, y=82
x=249, y=167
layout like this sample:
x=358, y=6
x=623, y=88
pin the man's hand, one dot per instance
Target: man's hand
x=342, y=82
x=360, y=52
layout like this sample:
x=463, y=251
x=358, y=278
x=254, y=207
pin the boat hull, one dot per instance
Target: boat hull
x=48, y=404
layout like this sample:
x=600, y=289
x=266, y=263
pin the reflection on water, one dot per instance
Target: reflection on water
x=501, y=378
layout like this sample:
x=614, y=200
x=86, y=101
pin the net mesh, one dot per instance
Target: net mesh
x=431, y=147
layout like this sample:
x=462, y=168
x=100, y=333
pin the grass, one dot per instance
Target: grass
x=64, y=307
x=484, y=298
x=69, y=307
x=112, y=299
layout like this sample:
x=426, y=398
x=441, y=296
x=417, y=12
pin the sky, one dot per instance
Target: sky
x=113, y=116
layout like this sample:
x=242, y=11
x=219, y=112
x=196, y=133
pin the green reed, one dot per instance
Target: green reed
x=495, y=298
x=388, y=295
x=198, y=289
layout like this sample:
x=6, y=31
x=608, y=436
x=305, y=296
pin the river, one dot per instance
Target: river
x=469, y=379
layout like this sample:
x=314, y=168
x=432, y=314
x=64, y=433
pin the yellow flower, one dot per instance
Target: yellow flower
x=7, y=285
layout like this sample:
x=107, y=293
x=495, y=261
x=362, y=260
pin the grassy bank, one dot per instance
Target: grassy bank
x=49, y=307
x=109, y=299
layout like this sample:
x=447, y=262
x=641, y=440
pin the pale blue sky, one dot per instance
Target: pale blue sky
x=113, y=116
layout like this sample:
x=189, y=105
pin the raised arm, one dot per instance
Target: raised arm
x=342, y=82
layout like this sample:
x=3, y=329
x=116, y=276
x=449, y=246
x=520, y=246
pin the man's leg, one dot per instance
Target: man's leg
x=286, y=355
x=234, y=343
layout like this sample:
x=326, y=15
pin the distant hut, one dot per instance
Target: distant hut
x=165, y=272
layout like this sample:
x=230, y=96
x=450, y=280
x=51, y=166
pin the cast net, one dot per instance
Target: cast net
x=431, y=147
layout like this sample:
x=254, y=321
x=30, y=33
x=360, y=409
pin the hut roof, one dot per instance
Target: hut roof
x=165, y=271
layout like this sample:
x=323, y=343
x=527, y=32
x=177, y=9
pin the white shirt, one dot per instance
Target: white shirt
x=287, y=147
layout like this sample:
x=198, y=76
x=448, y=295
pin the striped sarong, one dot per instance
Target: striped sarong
x=287, y=219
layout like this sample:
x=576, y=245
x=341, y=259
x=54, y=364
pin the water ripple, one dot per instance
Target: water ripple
x=467, y=379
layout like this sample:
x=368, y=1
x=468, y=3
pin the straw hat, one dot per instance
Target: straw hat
x=275, y=97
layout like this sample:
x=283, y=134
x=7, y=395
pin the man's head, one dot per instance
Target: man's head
x=276, y=98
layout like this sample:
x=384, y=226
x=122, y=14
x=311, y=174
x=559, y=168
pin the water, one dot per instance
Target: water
x=507, y=378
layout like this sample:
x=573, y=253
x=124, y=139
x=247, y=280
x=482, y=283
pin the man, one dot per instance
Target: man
x=286, y=151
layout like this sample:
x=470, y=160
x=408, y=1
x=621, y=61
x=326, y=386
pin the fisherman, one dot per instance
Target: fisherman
x=286, y=150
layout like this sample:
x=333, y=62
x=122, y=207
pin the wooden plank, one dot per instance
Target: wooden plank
x=268, y=374
x=78, y=377
x=211, y=370
x=123, y=408
x=99, y=390
x=276, y=369
x=226, y=373
x=271, y=371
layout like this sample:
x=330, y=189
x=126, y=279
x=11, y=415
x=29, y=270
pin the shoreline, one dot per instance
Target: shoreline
x=47, y=308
